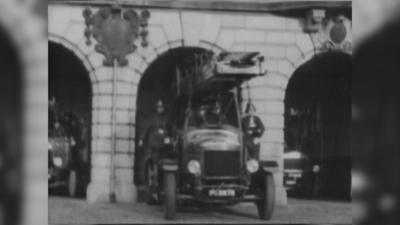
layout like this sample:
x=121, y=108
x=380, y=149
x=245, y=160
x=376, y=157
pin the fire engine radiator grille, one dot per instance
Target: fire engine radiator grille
x=221, y=163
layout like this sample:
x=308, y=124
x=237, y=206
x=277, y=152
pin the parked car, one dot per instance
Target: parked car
x=294, y=167
x=64, y=170
x=301, y=174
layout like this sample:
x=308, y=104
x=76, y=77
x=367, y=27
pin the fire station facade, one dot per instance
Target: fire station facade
x=286, y=34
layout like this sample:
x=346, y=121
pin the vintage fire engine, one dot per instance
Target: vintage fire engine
x=207, y=161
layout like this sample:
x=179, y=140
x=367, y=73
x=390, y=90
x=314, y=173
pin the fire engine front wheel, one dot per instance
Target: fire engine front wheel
x=266, y=205
x=72, y=183
x=170, y=195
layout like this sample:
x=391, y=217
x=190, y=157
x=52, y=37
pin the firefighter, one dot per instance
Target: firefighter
x=210, y=113
x=58, y=130
x=153, y=141
x=253, y=129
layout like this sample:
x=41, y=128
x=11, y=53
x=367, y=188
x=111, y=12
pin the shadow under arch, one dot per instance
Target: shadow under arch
x=157, y=84
x=71, y=88
x=318, y=119
x=11, y=130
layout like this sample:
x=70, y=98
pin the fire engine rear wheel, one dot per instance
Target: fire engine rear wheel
x=266, y=205
x=72, y=183
x=170, y=195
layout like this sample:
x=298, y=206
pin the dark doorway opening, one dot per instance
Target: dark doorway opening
x=317, y=123
x=11, y=135
x=156, y=84
x=70, y=103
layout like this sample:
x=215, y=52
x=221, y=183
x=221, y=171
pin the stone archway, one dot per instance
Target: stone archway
x=100, y=139
x=317, y=118
x=282, y=42
x=69, y=31
x=157, y=84
x=70, y=91
x=77, y=51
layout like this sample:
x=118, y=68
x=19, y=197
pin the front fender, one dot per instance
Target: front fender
x=269, y=166
x=169, y=165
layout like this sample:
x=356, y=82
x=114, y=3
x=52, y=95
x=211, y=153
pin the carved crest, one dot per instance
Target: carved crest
x=336, y=36
x=330, y=34
x=115, y=31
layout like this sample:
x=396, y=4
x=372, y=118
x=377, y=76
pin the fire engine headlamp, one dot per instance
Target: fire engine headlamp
x=252, y=166
x=167, y=140
x=57, y=161
x=194, y=167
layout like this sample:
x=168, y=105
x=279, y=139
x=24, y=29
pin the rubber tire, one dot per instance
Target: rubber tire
x=170, y=195
x=72, y=183
x=267, y=204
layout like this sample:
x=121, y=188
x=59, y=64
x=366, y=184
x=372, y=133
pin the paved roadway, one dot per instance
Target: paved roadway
x=63, y=210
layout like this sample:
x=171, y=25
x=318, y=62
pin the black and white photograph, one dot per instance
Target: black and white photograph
x=199, y=111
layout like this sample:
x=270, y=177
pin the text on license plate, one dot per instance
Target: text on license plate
x=290, y=182
x=221, y=193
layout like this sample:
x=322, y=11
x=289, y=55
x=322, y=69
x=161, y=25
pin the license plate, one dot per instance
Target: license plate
x=221, y=193
x=290, y=182
x=295, y=175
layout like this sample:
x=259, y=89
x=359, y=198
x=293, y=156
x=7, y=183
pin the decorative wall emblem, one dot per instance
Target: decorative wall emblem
x=336, y=36
x=338, y=32
x=115, y=30
x=330, y=33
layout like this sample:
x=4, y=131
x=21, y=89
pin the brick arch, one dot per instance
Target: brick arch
x=92, y=85
x=306, y=56
x=139, y=62
x=78, y=53
x=147, y=58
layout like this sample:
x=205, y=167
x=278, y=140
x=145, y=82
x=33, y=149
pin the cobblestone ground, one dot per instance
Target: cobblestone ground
x=77, y=211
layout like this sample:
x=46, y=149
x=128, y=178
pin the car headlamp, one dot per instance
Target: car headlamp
x=252, y=165
x=50, y=146
x=194, y=167
x=73, y=142
x=316, y=168
x=57, y=161
x=167, y=140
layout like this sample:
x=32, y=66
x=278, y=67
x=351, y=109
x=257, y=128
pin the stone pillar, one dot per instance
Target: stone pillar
x=125, y=102
x=268, y=99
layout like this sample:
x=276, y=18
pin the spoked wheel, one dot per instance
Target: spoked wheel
x=72, y=183
x=170, y=195
x=266, y=205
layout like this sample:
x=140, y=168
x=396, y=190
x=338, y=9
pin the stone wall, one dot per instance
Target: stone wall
x=27, y=31
x=280, y=39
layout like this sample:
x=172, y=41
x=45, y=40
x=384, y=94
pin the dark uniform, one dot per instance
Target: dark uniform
x=154, y=136
x=210, y=114
x=155, y=139
x=58, y=132
x=253, y=129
